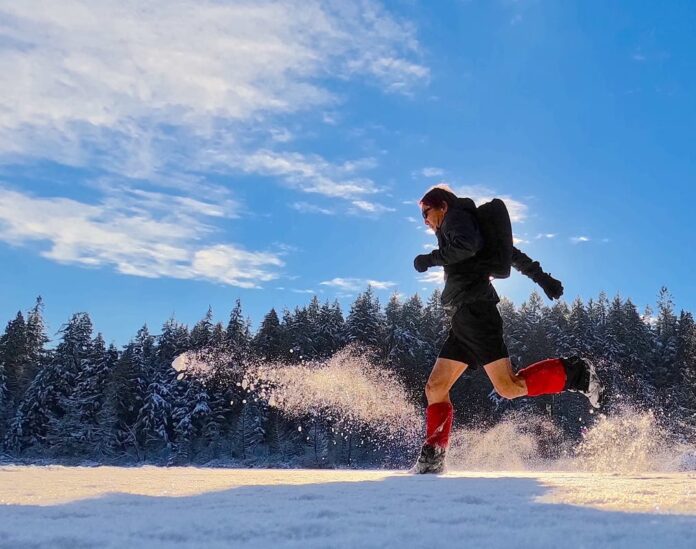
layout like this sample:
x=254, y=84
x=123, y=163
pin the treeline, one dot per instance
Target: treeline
x=86, y=400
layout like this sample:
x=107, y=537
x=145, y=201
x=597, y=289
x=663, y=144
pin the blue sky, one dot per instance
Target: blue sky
x=160, y=157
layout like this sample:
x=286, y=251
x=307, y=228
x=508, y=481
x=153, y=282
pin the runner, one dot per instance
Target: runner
x=475, y=338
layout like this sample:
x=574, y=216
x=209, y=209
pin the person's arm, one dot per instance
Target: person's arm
x=525, y=265
x=463, y=239
x=530, y=268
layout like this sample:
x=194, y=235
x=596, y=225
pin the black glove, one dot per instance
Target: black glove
x=552, y=287
x=423, y=262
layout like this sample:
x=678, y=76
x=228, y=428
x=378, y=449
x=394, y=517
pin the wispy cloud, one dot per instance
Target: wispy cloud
x=481, y=194
x=305, y=207
x=429, y=172
x=433, y=276
x=357, y=284
x=365, y=206
x=545, y=235
x=579, y=239
x=158, y=239
x=307, y=173
x=156, y=89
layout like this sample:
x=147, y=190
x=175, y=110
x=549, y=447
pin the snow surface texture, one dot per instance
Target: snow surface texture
x=192, y=507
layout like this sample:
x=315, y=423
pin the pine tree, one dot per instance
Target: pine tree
x=597, y=313
x=238, y=337
x=80, y=430
x=202, y=333
x=250, y=428
x=267, y=342
x=301, y=333
x=392, y=317
x=5, y=409
x=73, y=358
x=42, y=416
x=686, y=361
x=435, y=324
x=665, y=373
x=190, y=414
x=173, y=341
x=15, y=360
x=532, y=317
x=132, y=376
x=580, y=336
x=154, y=421
x=406, y=349
x=557, y=328
x=330, y=330
x=512, y=330
x=37, y=339
x=365, y=324
x=285, y=341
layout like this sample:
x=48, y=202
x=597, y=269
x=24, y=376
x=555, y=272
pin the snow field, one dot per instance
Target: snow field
x=196, y=507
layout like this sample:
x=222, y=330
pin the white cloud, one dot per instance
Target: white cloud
x=304, y=207
x=579, y=239
x=429, y=246
x=281, y=135
x=161, y=238
x=545, y=235
x=154, y=89
x=297, y=291
x=480, y=194
x=431, y=172
x=357, y=284
x=307, y=173
x=433, y=276
x=109, y=63
x=370, y=207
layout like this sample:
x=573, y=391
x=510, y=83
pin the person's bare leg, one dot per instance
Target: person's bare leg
x=506, y=383
x=438, y=415
x=444, y=374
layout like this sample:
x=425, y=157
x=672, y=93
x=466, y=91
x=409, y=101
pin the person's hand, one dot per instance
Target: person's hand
x=552, y=287
x=423, y=262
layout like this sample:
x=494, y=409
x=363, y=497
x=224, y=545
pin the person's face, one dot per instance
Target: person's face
x=433, y=217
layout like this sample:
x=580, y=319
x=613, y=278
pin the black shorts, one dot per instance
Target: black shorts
x=476, y=335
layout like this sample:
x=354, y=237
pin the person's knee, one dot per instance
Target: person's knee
x=435, y=390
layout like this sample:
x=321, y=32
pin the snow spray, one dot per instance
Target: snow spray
x=628, y=441
x=347, y=389
x=520, y=441
x=632, y=441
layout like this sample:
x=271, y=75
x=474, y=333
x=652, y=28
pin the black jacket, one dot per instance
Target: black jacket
x=459, y=239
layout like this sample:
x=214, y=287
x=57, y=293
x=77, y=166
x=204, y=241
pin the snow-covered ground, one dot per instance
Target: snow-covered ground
x=200, y=507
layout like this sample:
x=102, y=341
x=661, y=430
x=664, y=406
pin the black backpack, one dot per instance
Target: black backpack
x=494, y=222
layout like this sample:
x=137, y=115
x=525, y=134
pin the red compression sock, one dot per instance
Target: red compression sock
x=544, y=378
x=438, y=424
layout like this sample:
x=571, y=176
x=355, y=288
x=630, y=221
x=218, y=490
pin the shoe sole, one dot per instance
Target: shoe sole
x=600, y=393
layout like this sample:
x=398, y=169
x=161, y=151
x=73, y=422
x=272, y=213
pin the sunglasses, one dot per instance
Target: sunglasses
x=425, y=212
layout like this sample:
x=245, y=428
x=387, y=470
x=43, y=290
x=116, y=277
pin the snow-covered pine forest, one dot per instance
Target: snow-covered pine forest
x=79, y=399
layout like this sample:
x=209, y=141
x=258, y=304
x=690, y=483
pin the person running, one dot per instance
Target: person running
x=475, y=338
